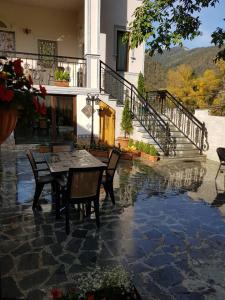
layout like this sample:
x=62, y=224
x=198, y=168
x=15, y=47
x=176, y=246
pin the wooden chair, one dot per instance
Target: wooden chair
x=221, y=154
x=110, y=172
x=40, y=180
x=83, y=187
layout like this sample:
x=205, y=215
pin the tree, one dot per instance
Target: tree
x=180, y=82
x=141, y=84
x=164, y=23
x=126, y=123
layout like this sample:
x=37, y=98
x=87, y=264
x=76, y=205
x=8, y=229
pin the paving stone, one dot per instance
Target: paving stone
x=6, y=264
x=48, y=259
x=35, y=279
x=9, y=289
x=60, y=236
x=42, y=241
x=159, y=260
x=28, y=261
x=36, y=295
x=79, y=233
x=56, y=249
x=74, y=245
x=90, y=243
x=67, y=258
x=88, y=257
x=77, y=268
x=58, y=277
x=167, y=276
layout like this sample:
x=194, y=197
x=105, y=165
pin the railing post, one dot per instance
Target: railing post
x=100, y=76
x=202, y=137
x=131, y=98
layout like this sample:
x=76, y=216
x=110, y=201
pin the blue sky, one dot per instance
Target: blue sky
x=211, y=18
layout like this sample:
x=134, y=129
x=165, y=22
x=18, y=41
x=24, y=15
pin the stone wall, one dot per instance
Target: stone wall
x=216, y=131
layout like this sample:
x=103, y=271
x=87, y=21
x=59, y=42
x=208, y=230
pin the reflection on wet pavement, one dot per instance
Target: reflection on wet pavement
x=167, y=229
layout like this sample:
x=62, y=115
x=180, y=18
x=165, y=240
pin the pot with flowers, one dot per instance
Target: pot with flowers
x=17, y=96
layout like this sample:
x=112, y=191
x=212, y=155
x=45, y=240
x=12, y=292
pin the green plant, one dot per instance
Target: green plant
x=130, y=143
x=126, y=123
x=141, y=84
x=141, y=146
x=136, y=144
x=62, y=75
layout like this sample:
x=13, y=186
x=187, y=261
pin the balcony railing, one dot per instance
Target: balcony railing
x=42, y=68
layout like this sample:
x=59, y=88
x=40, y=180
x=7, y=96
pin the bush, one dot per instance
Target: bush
x=136, y=144
x=130, y=143
x=146, y=148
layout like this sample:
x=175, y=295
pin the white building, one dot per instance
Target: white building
x=73, y=36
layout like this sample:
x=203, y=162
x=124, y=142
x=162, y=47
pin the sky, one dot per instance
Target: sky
x=211, y=18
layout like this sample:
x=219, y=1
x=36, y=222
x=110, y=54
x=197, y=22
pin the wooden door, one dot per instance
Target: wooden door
x=107, y=124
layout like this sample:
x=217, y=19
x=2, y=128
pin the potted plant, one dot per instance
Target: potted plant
x=149, y=152
x=99, y=150
x=62, y=77
x=17, y=96
x=100, y=284
x=126, y=126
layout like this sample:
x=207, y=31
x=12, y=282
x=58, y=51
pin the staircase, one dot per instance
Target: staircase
x=159, y=119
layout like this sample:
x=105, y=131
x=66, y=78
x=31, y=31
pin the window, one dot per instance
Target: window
x=122, y=53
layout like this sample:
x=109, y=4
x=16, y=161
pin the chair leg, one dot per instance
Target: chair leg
x=218, y=171
x=67, y=217
x=111, y=192
x=38, y=190
x=96, y=207
x=105, y=185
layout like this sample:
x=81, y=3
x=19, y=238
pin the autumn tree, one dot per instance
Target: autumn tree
x=180, y=83
x=163, y=24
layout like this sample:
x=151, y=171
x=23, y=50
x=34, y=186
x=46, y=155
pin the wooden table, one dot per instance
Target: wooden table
x=60, y=163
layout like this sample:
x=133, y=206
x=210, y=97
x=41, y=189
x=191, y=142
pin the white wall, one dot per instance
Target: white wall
x=216, y=132
x=116, y=14
x=45, y=23
x=84, y=123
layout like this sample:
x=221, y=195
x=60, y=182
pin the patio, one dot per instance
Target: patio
x=167, y=229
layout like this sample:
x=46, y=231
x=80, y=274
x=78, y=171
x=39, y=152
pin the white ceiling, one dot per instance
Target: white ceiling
x=59, y=4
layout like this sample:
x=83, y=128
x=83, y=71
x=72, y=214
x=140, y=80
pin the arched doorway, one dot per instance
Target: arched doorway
x=107, y=124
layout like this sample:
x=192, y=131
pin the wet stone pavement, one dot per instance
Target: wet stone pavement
x=167, y=229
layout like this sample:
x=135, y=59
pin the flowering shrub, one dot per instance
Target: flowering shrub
x=17, y=91
x=100, y=284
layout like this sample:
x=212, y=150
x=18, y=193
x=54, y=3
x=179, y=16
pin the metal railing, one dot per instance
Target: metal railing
x=120, y=89
x=42, y=68
x=183, y=119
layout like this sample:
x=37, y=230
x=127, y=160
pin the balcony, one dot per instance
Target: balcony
x=43, y=69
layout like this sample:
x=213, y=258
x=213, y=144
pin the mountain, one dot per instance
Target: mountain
x=156, y=67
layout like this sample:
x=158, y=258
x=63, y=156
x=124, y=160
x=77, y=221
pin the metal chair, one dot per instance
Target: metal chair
x=107, y=180
x=83, y=187
x=221, y=154
x=40, y=180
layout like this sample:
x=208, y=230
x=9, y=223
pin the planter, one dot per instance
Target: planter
x=100, y=153
x=62, y=83
x=123, y=142
x=8, y=119
x=149, y=157
x=130, y=155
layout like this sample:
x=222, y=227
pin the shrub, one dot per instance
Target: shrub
x=136, y=144
x=130, y=143
x=126, y=123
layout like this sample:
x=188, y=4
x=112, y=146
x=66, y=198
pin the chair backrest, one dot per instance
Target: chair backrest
x=84, y=183
x=32, y=163
x=221, y=154
x=56, y=148
x=112, y=163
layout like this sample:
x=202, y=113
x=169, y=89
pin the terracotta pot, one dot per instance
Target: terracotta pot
x=62, y=83
x=123, y=142
x=8, y=119
x=149, y=157
x=100, y=153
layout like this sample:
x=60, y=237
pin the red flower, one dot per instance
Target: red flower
x=17, y=67
x=56, y=293
x=36, y=104
x=90, y=297
x=5, y=94
x=43, y=109
x=43, y=91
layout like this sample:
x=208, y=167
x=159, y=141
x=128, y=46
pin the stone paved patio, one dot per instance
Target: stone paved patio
x=167, y=229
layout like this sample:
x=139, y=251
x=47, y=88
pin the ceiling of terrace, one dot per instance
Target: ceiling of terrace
x=59, y=4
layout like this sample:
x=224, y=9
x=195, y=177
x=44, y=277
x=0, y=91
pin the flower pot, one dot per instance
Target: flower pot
x=8, y=119
x=123, y=142
x=99, y=153
x=149, y=157
x=62, y=83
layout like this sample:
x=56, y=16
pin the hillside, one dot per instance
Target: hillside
x=156, y=67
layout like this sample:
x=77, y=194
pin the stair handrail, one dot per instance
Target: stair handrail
x=161, y=122
x=203, y=144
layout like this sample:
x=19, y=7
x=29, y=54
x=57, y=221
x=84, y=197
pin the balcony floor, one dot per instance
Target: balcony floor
x=167, y=228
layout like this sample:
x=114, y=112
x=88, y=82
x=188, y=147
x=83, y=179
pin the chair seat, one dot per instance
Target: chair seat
x=45, y=179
